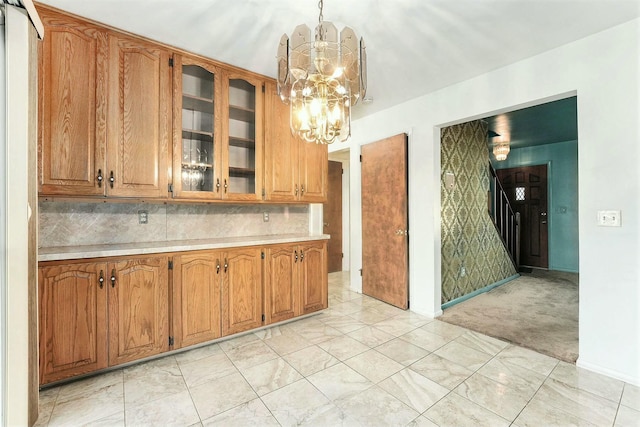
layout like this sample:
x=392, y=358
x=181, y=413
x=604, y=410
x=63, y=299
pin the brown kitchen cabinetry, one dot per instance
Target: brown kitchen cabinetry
x=73, y=319
x=99, y=314
x=197, y=282
x=295, y=280
x=241, y=290
x=294, y=170
x=105, y=112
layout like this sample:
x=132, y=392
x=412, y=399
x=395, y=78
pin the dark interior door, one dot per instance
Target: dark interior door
x=385, y=241
x=526, y=188
x=332, y=217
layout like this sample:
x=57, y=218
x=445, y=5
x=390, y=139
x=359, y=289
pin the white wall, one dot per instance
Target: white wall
x=15, y=181
x=603, y=70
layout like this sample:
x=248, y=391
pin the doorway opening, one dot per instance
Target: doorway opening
x=542, y=304
x=336, y=211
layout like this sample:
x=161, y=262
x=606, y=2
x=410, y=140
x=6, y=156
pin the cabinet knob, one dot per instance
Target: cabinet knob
x=111, y=179
x=217, y=266
x=113, y=278
x=226, y=265
x=296, y=190
x=101, y=279
x=217, y=185
x=302, y=190
x=296, y=256
x=225, y=186
x=301, y=256
x=99, y=178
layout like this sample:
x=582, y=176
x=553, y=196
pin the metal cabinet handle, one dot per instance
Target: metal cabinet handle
x=302, y=190
x=99, y=178
x=301, y=256
x=296, y=190
x=226, y=265
x=113, y=278
x=225, y=186
x=101, y=279
x=217, y=185
x=217, y=266
x=296, y=254
x=111, y=179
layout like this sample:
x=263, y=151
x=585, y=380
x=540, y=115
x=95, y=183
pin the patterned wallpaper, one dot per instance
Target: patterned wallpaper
x=473, y=255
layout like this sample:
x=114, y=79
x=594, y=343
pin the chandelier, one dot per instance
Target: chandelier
x=501, y=150
x=321, y=79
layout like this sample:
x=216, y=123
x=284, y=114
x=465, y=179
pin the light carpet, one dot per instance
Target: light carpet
x=538, y=310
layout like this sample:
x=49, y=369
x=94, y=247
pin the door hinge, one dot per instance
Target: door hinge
x=342, y=255
x=360, y=272
x=170, y=188
x=342, y=171
x=262, y=255
x=408, y=304
x=170, y=265
x=263, y=317
x=360, y=158
x=170, y=340
x=170, y=62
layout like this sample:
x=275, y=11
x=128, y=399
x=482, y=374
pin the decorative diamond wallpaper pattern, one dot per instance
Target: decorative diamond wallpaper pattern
x=473, y=255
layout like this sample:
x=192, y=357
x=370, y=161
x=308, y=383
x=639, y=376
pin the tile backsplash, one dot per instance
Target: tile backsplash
x=73, y=224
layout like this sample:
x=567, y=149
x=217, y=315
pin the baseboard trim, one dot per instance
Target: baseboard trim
x=478, y=292
x=608, y=372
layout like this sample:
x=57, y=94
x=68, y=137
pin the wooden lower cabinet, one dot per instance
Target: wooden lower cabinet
x=295, y=280
x=197, y=281
x=105, y=312
x=241, y=290
x=313, y=277
x=73, y=319
x=138, y=308
x=99, y=314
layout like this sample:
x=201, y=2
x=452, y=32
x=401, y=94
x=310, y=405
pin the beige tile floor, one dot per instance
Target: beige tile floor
x=359, y=363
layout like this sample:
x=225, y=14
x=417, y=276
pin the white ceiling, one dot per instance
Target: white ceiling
x=413, y=46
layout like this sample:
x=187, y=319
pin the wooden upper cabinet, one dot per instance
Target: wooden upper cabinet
x=242, y=136
x=313, y=277
x=139, y=125
x=197, y=152
x=73, y=319
x=138, y=308
x=72, y=106
x=241, y=290
x=294, y=170
x=281, y=283
x=197, y=278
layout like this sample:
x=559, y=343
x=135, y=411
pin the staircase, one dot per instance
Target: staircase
x=504, y=218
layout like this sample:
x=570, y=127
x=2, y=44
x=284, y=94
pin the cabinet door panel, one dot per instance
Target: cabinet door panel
x=196, y=302
x=73, y=320
x=314, y=166
x=139, y=124
x=281, y=283
x=241, y=291
x=281, y=150
x=72, y=107
x=313, y=276
x=138, y=313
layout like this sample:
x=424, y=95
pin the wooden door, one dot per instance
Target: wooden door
x=281, y=150
x=197, y=279
x=385, y=244
x=73, y=98
x=242, y=136
x=139, y=122
x=73, y=319
x=241, y=290
x=196, y=129
x=281, y=283
x=313, y=276
x=314, y=163
x=138, y=312
x=332, y=217
x=526, y=188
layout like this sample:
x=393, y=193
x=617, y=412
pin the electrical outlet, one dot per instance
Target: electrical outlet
x=143, y=217
x=463, y=271
x=265, y=216
x=609, y=219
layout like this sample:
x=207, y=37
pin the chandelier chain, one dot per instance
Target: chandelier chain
x=320, y=6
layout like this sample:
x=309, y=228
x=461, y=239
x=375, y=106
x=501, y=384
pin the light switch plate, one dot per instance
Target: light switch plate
x=609, y=219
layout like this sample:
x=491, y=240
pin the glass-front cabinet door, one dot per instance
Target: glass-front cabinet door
x=243, y=137
x=196, y=150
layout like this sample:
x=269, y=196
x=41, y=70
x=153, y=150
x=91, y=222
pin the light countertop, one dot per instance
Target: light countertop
x=143, y=248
